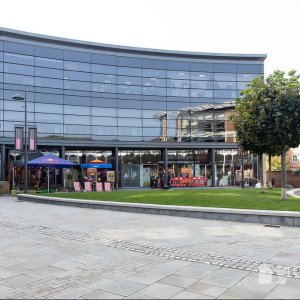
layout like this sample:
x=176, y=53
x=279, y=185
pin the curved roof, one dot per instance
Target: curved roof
x=27, y=36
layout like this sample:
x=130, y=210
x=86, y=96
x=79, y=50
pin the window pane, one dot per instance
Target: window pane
x=105, y=121
x=48, y=118
x=18, y=59
x=46, y=72
x=76, y=110
x=151, y=123
x=154, y=73
x=18, y=69
x=48, y=52
x=129, y=71
x=246, y=77
x=73, y=119
x=176, y=92
x=134, y=113
x=225, y=76
x=104, y=130
x=127, y=80
x=225, y=68
x=49, y=108
x=49, y=98
x=178, y=74
x=154, y=81
x=154, y=105
x=201, y=76
x=102, y=111
x=48, y=62
x=130, y=131
x=127, y=89
x=18, y=48
x=77, y=85
x=154, y=91
x=130, y=104
x=104, y=69
x=18, y=79
x=77, y=129
x=104, y=88
x=225, y=94
x=76, y=55
x=225, y=85
x=250, y=69
x=105, y=78
x=77, y=66
x=202, y=93
x=49, y=82
x=178, y=83
x=81, y=76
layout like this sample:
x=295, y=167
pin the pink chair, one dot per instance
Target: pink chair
x=88, y=186
x=107, y=187
x=99, y=187
x=77, y=186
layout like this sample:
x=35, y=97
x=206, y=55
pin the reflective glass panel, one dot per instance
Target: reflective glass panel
x=49, y=63
x=105, y=121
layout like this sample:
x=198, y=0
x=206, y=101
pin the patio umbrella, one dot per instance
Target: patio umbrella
x=96, y=163
x=49, y=161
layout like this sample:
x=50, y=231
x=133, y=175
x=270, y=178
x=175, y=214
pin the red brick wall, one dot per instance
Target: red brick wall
x=293, y=180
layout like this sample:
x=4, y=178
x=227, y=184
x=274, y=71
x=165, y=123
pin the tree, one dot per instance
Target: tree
x=267, y=118
x=281, y=106
x=248, y=123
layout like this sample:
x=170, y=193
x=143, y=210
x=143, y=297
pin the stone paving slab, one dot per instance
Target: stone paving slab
x=81, y=253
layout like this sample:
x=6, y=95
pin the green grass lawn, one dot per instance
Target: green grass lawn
x=206, y=197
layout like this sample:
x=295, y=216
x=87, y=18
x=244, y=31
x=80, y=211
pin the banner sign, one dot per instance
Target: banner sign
x=111, y=176
x=32, y=135
x=19, y=131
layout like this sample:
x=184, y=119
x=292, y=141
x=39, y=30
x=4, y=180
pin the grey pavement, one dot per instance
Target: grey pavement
x=61, y=252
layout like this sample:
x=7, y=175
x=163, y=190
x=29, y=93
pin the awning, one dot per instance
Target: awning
x=97, y=166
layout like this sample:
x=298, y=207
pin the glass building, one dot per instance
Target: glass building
x=145, y=111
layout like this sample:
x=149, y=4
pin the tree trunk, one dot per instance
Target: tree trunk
x=283, y=177
x=262, y=184
x=270, y=171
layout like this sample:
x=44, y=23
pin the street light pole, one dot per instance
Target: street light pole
x=21, y=98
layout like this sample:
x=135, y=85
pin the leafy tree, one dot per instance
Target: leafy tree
x=281, y=106
x=267, y=118
x=248, y=123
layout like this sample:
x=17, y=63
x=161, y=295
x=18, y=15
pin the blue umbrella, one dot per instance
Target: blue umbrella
x=49, y=161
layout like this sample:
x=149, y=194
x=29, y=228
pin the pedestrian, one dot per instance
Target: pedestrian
x=273, y=181
x=152, y=179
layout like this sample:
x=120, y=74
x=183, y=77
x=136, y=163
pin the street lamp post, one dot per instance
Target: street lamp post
x=21, y=98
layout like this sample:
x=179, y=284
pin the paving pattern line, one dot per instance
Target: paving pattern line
x=167, y=252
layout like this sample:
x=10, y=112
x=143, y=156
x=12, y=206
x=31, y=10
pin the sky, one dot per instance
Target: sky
x=223, y=26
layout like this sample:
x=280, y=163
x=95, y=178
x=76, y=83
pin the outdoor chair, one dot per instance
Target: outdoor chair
x=88, y=186
x=99, y=187
x=77, y=186
x=107, y=187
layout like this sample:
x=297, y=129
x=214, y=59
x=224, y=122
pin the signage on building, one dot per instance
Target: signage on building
x=32, y=134
x=111, y=176
x=19, y=131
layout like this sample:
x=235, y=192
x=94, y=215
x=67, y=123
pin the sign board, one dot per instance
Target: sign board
x=111, y=176
x=32, y=136
x=19, y=131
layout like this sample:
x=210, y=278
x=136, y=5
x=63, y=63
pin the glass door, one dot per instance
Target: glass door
x=130, y=175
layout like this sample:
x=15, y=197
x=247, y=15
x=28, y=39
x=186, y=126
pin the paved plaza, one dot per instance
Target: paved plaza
x=60, y=252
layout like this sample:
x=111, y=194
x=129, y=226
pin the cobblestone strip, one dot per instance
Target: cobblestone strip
x=167, y=252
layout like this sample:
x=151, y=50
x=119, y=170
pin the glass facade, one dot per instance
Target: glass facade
x=85, y=93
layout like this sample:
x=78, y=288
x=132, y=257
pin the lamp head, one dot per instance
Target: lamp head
x=18, y=97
